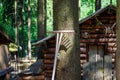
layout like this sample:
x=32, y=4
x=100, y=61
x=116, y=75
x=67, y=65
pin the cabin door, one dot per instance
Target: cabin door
x=96, y=53
x=96, y=62
x=99, y=65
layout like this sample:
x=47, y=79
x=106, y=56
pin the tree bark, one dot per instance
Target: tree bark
x=65, y=14
x=118, y=41
x=41, y=26
x=29, y=36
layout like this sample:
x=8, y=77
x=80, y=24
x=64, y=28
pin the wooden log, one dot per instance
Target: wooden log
x=83, y=49
x=48, y=71
x=83, y=55
x=47, y=66
x=108, y=17
x=51, y=51
x=52, y=41
x=92, y=31
x=83, y=45
x=49, y=56
x=111, y=49
x=102, y=36
x=48, y=61
x=101, y=40
x=91, y=28
x=83, y=61
x=112, y=44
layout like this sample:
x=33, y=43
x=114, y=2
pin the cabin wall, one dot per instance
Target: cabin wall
x=3, y=56
x=92, y=32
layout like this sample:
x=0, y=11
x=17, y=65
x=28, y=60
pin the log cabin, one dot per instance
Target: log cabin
x=97, y=47
x=98, y=40
x=97, y=43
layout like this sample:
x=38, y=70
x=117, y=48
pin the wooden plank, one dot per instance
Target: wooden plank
x=96, y=62
x=92, y=53
x=114, y=75
x=99, y=63
x=86, y=71
x=99, y=70
x=107, y=67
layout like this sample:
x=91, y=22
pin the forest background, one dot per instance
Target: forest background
x=7, y=20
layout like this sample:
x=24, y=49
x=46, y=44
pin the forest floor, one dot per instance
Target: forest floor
x=25, y=66
x=22, y=63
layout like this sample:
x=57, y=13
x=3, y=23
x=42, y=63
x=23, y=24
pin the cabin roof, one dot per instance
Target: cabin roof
x=111, y=7
x=4, y=39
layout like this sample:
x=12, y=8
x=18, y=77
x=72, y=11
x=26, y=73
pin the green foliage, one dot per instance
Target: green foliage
x=7, y=16
x=88, y=6
x=13, y=47
x=8, y=29
x=49, y=15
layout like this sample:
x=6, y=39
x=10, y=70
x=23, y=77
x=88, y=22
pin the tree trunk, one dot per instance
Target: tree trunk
x=118, y=41
x=29, y=36
x=22, y=25
x=41, y=24
x=97, y=4
x=16, y=27
x=66, y=18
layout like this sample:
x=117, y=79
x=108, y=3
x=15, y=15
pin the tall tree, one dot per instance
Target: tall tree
x=22, y=25
x=29, y=36
x=41, y=25
x=16, y=27
x=118, y=41
x=65, y=17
